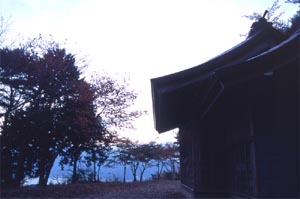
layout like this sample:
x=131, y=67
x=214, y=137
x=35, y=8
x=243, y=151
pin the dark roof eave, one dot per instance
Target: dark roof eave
x=282, y=54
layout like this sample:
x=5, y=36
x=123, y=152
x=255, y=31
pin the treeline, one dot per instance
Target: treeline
x=133, y=157
x=48, y=109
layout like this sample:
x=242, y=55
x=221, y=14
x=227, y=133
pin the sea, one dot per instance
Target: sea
x=114, y=174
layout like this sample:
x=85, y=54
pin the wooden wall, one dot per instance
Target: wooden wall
x=248, y=143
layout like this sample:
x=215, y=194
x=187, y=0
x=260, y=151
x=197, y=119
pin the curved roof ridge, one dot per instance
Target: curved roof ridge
x=238, y=53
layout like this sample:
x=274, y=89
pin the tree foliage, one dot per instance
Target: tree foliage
x=140, y=157
x=274, y=15
x=98, y=152
x=113, y=101
x=293, y=1
x=38, y=82
x=122, y=155
x=4, y=28
x=47, y=109
x=295, y=20
x=147, y=157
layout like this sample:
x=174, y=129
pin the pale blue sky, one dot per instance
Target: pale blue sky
x=144, y=39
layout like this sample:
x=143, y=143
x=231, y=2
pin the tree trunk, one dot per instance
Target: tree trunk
x=158, y=171
x=94, y=173
x=173, y=170
x=124, y=177
x=134, y=167
x=134, y=176
x=99, y=167
x=20, y=169
x=45, y=167
x=74, y=176
x=42, y=181
x=48, y=168
x=142, y=173
x=6, y=168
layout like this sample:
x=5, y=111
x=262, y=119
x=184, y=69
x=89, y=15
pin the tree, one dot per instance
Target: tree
x=160, y=158
x=134, y=155
x=293, y=1
x=171, y=152
x=56, y=82
x=122, y=156
x=166, y=156
x=18, y=155
x=38, y=83
x=273, y=15
x=13, y=80
x=113, y=101
x=47, y=109
x=295, y=20
x=80, y=125
x=98, y=152
x=4, y=28
x=147, y=155
x=15, y=72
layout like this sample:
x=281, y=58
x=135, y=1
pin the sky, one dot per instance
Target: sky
x=138, y=39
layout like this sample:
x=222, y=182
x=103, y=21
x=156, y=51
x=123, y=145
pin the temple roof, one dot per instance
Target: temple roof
x=187, y=94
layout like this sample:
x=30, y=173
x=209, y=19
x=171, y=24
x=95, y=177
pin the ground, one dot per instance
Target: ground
x=150, y=189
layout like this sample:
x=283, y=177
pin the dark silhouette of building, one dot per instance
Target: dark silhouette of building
x=238, y=118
